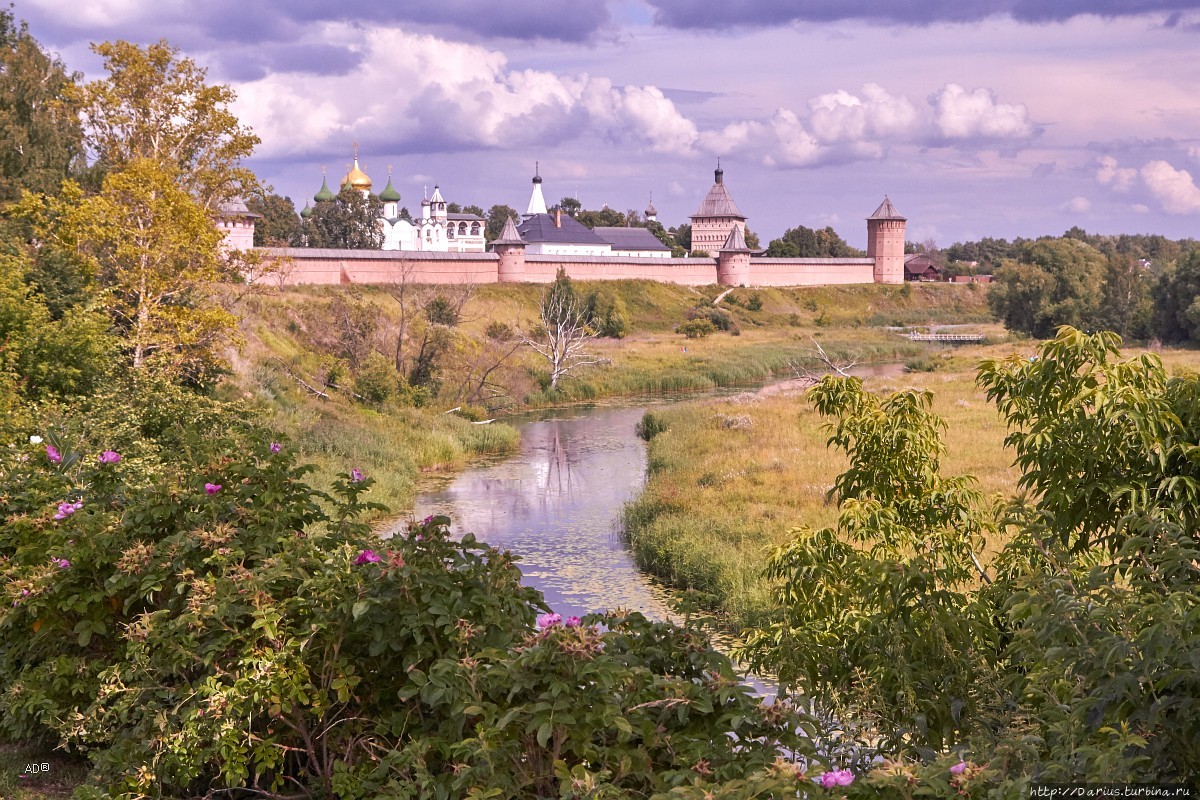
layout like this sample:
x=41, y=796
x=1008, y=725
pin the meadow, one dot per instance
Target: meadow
x=729, y=479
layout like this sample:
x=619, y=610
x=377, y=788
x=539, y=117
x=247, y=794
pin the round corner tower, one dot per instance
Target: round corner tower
x=885, y=242
x=510, y=251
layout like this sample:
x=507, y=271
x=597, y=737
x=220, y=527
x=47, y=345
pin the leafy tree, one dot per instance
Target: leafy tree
x=476, y=210
x=890, y=585
x=751, y=239
x=280, y=225
x=350, y=221
x=156, y=106
x=1177, y=300
x=606, y=314
x=156, y=254
x=683, y=236
x=39, y=123
x=802, y=242
x=1126, y=305
x=496, y=217
x=605, y=217
x=570, y=205
x=1055, y=282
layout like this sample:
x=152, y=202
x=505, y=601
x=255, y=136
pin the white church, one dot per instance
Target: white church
x=436, y=231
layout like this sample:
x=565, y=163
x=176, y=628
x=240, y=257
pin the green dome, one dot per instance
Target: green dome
x=324, y=194
x=306, y=212
x=389, y=193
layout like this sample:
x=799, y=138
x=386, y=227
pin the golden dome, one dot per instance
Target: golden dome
x=357, y=179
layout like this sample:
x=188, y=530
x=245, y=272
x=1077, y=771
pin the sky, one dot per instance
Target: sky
x=978, y=118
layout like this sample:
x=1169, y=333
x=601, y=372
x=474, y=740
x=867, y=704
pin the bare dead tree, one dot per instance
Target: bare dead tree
x=563, y=336
x=828, y=365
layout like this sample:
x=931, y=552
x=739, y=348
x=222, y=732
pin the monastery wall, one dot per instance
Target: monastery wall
x=811, y=271
x=316, y=266
x=685, y=271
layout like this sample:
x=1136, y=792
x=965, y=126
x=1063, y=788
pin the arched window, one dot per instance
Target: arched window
x=474, y=228
x=450, y=231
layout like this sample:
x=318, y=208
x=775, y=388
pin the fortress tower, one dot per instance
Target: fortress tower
x=885, y=242
x=716, y=218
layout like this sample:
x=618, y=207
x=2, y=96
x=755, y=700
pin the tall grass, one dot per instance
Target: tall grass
x=719, y=497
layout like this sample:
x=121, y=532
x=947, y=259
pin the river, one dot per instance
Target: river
x=557, y=503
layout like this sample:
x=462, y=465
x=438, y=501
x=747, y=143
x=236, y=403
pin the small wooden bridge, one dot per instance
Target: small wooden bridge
x=958, y=338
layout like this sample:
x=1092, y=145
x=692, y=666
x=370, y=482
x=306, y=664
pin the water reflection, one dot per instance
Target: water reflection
x=557, y=504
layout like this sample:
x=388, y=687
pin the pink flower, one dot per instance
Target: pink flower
x=356, y=475
x=573, y=622
x=109, y=457
x=53, y=454
x=276, y=447
x=61, y=563
x=839, y=777
x=212, y=488
x=959, y=768
x=367, y=557
x=548, y=620
x=67, y=509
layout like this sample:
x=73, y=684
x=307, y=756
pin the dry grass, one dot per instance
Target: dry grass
x=718, y=498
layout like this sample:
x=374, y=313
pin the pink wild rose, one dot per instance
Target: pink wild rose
x=53, y=455
x=109, y=457
x=67, y=509
x=959, y=768
x=367, y=557
x=61, y=563
x=212, y=488
x=276, y=447
x=548, y=620
x=573, y=622
x=356, y=475
x=839, y=777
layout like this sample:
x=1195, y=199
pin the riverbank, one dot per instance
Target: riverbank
x=314, y=357
x=728, y=479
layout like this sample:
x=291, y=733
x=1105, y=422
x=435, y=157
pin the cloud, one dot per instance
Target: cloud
x=421, y=93
x=1109, y=174
x=976, y=115
x=1077, y=205
x=1194, y=153
x=1173, y=188
x=761, y=13
x=217, y=23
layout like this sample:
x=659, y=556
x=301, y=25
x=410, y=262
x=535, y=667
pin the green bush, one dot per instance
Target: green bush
x=605, y=313
x=376, y=381
x=755, y=303
x=696, y=328
x=499, y=331
x=651, y=425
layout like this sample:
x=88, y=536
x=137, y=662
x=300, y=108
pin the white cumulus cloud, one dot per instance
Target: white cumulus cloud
x=1077, y=205
x=1110, y=174
x=959, y=114
x=425, y=92
x=1173, y=188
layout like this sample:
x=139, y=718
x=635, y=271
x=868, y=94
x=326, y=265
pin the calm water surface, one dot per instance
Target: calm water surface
x=557, y=505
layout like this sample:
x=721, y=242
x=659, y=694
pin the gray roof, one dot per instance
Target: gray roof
x=657, y=262
x=629, y=238
x=509, y=235
x=886, y=210
x=236, y=207
x=466, y=217
x=541, y=228
x=735, y=241
x=718, y=203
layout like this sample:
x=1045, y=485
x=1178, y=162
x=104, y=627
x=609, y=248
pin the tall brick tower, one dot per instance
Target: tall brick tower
x=885, y=242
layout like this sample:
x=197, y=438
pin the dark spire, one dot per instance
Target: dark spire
x=536, y=177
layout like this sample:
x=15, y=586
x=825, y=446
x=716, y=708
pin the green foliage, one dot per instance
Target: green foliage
x=1054, y=282
x=376, y=381
x=651, y=425
x=496, y=216
x=280, y=225
x=719, y=318
x=1177, y=300
x=863, y=604
x=499, y=331
x=157, y=107
x=696, y=328
x=40, y=128
x=441, y=310
x=606, y=314
x=349, y=221
x=755, y=303
x=802, y=242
